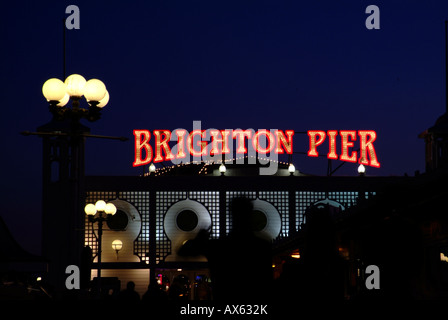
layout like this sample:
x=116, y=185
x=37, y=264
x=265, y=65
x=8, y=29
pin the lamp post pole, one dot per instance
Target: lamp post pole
x=91, y=210
x=446, y=65
x=100, y=246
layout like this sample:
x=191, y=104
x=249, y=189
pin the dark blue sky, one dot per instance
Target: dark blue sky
x=231, y=64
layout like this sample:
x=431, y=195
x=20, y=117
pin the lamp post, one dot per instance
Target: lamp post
x=222, y=169
x=117, y=245
x=361, y=173
x=63, y=167
x=361, y=170
x=95, y=214
x=291, y=169
x=59, y=93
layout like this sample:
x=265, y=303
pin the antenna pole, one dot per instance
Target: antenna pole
x=446, y=64
x=63, y=51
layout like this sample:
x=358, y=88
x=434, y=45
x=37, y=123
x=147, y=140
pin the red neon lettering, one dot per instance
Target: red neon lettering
x=282, y=141
x=221, y=137
x=180, y=143
x=332, y=147
x=162, y=138
x=142, y=143
x=278, y=142
x=270, y=139
x=200, y=143
x=313, y=143
x=240, y=134
x=347, y=144
x=367, y=145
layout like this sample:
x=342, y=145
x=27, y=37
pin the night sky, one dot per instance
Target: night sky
x=231, y=64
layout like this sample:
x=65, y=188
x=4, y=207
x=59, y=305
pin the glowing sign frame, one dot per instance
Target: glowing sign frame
x=275, y=141
x=366, y=149
x=199, y=148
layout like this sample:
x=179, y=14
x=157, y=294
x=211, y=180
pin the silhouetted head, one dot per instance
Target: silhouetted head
x=241, y=214
x=130, y=285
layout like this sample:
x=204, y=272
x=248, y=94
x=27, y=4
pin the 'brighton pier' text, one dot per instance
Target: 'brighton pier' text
x=214, y=145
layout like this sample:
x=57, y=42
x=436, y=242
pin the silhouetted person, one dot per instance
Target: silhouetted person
x=86, y=267
x=129, y=294
x=241, y=263
x=176, y=292
x=318, y=274
x=155, y=293
x=321, y=275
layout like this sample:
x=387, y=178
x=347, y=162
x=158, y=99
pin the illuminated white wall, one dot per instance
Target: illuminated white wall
x=179, y=236
x=273, y=221
x=127, y=236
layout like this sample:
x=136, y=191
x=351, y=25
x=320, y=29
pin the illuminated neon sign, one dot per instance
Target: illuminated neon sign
x=194, y=143
x=214, y=145
x=366, y=156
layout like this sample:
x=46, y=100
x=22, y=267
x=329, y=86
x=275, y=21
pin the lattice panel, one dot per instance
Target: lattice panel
x=164, y=199
x=346, y=198
x=306, y=198
x=210, y=199
x=303, y=200
x=280, y=200
x=140, y=200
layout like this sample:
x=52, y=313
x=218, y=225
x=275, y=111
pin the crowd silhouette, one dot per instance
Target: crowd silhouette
x=240, y=265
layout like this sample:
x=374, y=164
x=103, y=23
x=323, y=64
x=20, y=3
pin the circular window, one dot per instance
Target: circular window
x=259, y=220
x=118, y=222
x=187, y=220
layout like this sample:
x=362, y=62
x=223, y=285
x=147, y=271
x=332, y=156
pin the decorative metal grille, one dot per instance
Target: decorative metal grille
x=280, y=200
x=140, y=200
x=346, y=198
x=303, y=200
x=165, y=199
x=306, y=198
x=210, y=199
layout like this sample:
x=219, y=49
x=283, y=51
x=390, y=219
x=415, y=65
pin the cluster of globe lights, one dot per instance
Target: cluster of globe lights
x=75, y=86
x=100, y=206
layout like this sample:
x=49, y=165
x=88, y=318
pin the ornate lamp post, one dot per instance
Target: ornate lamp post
x=63, y=168
x=59, y=93
x=100, y=212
